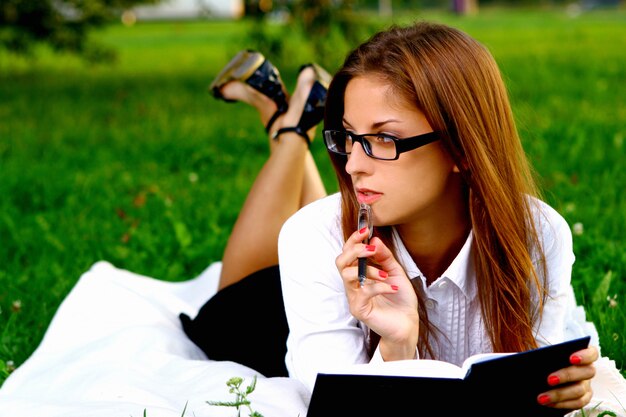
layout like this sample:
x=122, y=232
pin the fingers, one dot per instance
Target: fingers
x=585, y=356
x=573, y=374
x=574, y=396
x=386, y=302
x=353, y=249
x=348, y=261
x=377, y=253
x=572, y=384
x=373, y=276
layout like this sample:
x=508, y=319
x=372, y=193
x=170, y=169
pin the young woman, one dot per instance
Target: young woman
x=465, y=258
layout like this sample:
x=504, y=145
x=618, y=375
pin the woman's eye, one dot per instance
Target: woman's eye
x=383, y=140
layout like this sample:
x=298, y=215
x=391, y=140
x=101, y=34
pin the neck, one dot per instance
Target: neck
x=434, y=243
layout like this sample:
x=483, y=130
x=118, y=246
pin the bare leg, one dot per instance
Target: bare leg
x=287, y=180
x=312, y=187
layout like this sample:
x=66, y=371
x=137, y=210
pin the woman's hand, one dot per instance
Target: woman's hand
x=386, y=302
x=575, y=393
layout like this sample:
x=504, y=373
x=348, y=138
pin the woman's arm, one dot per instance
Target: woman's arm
x=323, y=333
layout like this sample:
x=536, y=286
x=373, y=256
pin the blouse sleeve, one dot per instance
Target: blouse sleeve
x=556, y=238
x=323, y=334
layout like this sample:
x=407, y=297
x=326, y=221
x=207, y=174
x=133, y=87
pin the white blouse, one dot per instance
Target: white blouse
x=323, y=333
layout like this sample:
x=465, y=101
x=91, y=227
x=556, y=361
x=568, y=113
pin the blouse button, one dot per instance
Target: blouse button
x=430, y=304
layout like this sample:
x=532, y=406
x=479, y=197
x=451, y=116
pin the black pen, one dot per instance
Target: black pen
x=365, y=220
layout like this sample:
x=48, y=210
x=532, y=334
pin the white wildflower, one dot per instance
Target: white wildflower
x=612, y=301
x=578, y=229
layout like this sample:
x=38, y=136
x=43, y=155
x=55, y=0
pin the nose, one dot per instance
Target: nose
x=358, y=161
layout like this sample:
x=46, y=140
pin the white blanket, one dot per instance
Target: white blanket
x=116, y=347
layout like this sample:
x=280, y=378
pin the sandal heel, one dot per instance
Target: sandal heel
x=239, y=68
x=315, y=106
x=255, y=70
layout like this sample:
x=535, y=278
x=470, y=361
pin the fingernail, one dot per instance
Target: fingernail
x=382, y=274
x=363, y=230
x=554, y=380
x=544, y=399
x=370, y=248
x=394, y=287
x=575, y=360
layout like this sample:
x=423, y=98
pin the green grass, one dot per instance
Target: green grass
x=136, y=164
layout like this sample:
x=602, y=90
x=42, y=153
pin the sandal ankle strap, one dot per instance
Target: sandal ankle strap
x=296, y=129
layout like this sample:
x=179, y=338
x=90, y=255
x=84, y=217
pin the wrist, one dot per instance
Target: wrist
x=398, y=350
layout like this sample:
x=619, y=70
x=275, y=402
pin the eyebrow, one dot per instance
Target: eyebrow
x=377, y=124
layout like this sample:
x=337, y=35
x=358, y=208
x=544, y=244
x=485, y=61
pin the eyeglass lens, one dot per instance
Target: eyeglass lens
x=374, y=145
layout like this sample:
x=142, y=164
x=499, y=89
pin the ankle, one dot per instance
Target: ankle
x=292, y=130
x=266, y=109
x=298, y=100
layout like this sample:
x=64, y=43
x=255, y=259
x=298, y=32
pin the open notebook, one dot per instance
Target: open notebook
x=486, y=385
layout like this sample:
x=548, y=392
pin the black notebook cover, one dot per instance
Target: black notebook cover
x=504, y=386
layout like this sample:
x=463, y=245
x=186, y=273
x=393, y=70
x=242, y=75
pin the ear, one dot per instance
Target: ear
x=459, y=160
x=463, y=164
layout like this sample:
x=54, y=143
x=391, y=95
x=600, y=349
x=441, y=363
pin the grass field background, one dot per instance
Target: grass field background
x=135, y=163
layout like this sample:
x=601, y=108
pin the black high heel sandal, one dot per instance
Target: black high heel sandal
x=315, y=105
x=255, y=70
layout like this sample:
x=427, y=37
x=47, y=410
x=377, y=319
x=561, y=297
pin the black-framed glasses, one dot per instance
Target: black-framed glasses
x=375, y=145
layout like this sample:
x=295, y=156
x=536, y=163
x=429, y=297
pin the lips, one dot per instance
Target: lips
x=367, y=196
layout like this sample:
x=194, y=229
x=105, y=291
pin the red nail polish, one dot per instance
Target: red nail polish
x=363, y=230
x=554, y=380
x=382, y=274
x=370, y=248
x=544, y=399
x=575, y=360
x=394, y=287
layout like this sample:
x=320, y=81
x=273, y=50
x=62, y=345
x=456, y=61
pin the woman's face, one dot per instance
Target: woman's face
x=420, y=184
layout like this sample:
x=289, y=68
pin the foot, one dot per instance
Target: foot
x=251, y=69
x=291, y=118
x=240, y=91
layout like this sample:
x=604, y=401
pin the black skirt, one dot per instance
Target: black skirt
x=244, y=323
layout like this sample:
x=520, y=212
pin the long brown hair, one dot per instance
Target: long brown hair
x=456, y=83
